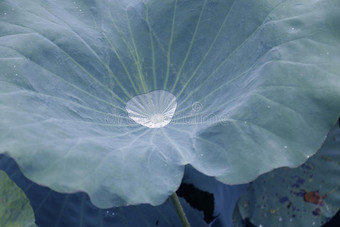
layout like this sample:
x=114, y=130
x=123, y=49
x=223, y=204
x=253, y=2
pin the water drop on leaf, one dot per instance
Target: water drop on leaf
x=152, y=110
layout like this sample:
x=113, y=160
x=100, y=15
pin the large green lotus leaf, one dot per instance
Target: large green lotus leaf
x=15, y=209
x=255, y=85
x=305, y=196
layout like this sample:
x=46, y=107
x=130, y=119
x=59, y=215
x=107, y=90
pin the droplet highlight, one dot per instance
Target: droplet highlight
x=153, y=110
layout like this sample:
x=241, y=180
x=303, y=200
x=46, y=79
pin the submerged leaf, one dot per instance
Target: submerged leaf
x=257, y=87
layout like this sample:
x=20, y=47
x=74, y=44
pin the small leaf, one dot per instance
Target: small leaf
x=15, y=209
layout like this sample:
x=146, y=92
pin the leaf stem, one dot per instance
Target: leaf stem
x=179, y=210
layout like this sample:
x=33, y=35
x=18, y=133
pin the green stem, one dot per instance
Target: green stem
x=179, y=210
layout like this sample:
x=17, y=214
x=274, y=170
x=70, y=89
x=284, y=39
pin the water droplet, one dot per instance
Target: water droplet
x=165, y=164
x=245, y=122
x=157, y=118
x=313, y=223
x=201, y=155
x=260, y=225
x=290, y=219
x=285, y=147
x=113, y=213
x=80, y=10
x=293, y=28
x=268, y=107
x=14, y=66
x=107, y=211
x=280, y=219
x=16, y=74
x=327, y=53
x=152, y=110
x=5, y=14
x=308, y=156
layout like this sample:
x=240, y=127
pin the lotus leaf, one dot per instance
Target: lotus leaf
x=242, y=87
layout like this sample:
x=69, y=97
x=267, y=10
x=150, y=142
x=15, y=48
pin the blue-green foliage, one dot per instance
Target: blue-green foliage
x=256, y=83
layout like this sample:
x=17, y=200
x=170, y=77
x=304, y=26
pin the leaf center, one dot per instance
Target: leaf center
x=153, y=110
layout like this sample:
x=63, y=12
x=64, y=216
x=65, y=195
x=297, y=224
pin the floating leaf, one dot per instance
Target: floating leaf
x=256, y=83
x=305, y=196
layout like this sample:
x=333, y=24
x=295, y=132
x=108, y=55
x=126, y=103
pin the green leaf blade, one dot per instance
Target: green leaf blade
x=15, y=208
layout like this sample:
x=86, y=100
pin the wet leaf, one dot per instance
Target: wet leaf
x=257, y=87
